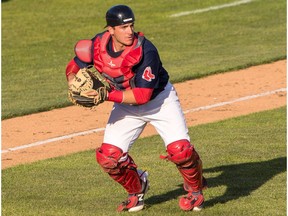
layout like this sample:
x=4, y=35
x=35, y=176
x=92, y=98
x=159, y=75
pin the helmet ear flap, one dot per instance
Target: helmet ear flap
x=119, y=15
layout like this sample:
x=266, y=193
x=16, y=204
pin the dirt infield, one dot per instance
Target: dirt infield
x=73, y=129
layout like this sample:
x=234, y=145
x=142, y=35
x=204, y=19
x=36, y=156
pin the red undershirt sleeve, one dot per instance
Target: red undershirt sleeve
x=115, y=96
x=142, y=95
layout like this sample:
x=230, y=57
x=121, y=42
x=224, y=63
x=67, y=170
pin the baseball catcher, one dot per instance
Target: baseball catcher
x=142, y=93
x=88, y=88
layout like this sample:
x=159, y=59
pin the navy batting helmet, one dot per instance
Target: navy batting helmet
x=119, y=15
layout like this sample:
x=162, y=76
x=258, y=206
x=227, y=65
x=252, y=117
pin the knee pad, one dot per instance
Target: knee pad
x=181, y=152
x=108, y=157
x=120, y=167
x=112, y=159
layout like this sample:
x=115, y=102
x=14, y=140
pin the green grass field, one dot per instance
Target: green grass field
x=38, y=37
x=244, y=162
x=244, y=158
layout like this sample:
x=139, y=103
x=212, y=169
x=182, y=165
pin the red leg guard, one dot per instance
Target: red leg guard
x=120, y=167
x=188, y=162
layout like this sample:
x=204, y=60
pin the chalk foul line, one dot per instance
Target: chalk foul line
x=233, y=4
x=235, y=100
x=102, y=129
x=53, y=140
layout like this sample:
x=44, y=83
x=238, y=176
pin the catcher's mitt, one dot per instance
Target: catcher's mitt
x=88, y=88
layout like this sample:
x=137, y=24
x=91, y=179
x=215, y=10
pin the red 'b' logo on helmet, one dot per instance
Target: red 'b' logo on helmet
x=147, y=75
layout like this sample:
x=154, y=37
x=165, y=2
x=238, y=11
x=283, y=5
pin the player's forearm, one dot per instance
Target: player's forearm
x=135, y=96
x=126, y=97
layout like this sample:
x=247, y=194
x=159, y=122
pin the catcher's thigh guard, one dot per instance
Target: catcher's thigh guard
x=188, y=162
x=120, y=167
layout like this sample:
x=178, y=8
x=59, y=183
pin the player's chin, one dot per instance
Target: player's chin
x=129, y=41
